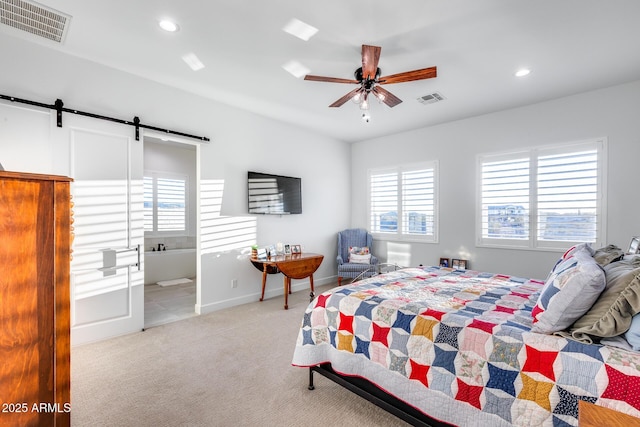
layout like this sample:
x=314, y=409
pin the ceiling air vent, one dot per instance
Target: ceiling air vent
x=431, y=98
x=35, y=19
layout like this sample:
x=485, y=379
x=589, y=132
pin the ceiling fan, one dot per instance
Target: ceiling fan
x=369, y=80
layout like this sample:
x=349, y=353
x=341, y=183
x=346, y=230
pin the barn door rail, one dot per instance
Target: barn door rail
x=60, y=108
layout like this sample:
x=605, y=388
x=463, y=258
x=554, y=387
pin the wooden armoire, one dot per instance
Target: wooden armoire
x=35, y=250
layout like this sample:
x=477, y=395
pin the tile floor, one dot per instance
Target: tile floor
x=164, y=304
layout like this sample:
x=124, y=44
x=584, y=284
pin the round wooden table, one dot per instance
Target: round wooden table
x=296, y=266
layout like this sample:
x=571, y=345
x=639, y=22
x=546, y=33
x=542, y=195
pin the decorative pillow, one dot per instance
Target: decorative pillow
x=360, y=259
x=608, y=254
x=633, y=334
x=580, y=247
x=572, y=287
x=359, y=250
x=612, y=313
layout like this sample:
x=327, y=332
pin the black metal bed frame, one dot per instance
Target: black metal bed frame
x=375, y=395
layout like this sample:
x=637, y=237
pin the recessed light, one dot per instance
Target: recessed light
x=296, y=69
x=300, y=29
x=193, y=61
x=523, y=72
x=168, y=25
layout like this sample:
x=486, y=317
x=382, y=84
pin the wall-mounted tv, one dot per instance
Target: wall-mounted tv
x=274, y=194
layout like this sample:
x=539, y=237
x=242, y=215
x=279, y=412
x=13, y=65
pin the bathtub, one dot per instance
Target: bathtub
x=168, y=265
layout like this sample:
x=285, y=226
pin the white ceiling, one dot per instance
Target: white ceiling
x=571, y=46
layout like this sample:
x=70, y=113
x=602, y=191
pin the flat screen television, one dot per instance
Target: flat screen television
x=274, y=194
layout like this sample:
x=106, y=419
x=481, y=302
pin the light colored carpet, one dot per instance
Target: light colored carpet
x=228, y=368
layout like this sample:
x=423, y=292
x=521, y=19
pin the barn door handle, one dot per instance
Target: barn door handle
x=110, y=262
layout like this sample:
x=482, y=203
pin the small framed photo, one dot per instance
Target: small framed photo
x=459, y=264
x=634, y=246
x=296, y=249
x=271, y=251
x=444, y=262
x=287, y=249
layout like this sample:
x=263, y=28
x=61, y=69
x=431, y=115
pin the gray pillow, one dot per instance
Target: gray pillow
x=612, y=313
x=608, y=254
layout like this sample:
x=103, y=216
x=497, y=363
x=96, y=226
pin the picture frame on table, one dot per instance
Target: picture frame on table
x=634, y=245
x=459, y=264
x=296, y=249
x=271, y=251
x=287, y=249
x=444, y=262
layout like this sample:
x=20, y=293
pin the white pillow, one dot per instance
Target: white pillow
x=572, y=287
x=360, y=259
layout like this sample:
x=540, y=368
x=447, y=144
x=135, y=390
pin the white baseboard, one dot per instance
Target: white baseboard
x=269, y=293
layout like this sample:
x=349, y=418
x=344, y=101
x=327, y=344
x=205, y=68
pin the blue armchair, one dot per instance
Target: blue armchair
x=351, y=238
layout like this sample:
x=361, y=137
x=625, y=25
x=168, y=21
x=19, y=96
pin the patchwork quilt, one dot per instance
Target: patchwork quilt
x=457, y=345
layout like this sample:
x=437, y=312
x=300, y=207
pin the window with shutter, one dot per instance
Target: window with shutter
x=403, y=202
x=165, y=204
x=545, y=198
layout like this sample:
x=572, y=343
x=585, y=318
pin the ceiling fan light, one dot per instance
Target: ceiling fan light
x=380, y=96
x=364, y=105
x=356, y=98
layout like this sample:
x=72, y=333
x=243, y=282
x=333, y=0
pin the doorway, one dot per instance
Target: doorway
x=171, y=231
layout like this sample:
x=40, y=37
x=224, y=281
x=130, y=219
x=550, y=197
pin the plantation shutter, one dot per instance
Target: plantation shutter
x=403, y=202
x=384, y=202
x=545, y=197
x=418, y=202
x=505, y=199
x=171, y=212
x=568, y=196
x=165, y=204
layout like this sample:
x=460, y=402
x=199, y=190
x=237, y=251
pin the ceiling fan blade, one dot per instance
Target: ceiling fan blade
x=345, y=98
x=370, y=58
x=329, y=79
x=387, y=97
x=409, y=76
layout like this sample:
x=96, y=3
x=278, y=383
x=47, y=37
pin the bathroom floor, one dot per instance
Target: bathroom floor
x=164, y=304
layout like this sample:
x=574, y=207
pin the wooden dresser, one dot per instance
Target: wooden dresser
x=35, y=233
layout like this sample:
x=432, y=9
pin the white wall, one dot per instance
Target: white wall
x=255, y=143
x=240, y=141
x=610, y=113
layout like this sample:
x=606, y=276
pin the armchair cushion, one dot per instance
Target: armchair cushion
x=360, y=259
x=359, y=255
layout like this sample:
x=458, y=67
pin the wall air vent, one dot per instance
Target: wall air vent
x=431, y=98
x=34, y=18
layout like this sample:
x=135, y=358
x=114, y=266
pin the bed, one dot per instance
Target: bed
x=440, y=346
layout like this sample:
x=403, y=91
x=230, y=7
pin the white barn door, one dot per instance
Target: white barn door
x=107, y=270
x=106, y=163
